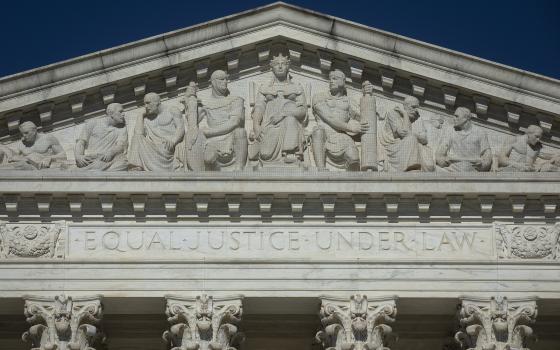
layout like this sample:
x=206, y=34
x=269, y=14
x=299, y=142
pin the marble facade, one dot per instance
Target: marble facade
x=302, y=182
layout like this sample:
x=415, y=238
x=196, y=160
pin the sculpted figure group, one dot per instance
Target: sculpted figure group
x=210, y=134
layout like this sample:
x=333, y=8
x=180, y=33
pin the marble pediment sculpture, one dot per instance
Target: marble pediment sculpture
x=282, y=100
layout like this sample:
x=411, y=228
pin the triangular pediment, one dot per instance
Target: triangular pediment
x=61, y=96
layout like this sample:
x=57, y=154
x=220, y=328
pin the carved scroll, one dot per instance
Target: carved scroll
x=368, y=114
x=64, y=323
x=356, y=324
x=203, y=323
x=497, y=324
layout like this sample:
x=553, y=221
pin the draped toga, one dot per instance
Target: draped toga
x=100, y=138
x=148, y=151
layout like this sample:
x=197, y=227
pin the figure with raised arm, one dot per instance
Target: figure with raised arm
x=405, y=139
x=157, y=132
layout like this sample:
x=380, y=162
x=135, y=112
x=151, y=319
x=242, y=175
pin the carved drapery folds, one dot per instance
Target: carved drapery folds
x=357, y=323
x=496, y=323
x=64, y=323
x=528, y=241
x=203, y=323
x=24, y=240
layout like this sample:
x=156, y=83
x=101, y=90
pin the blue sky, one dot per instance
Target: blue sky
x=523, y=34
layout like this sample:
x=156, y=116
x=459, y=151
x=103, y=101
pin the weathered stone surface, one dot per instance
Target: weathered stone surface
x=496, y=323
x=32, y=240
x=64, y=323
x=35, y=151
x=359, y=323
x=102, y=143
x=203, y=323
x=528, y=241
x=221, y=142
x=157, y=132
x=279, y=116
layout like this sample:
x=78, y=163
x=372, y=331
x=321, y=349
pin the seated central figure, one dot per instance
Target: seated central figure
x=278, y=118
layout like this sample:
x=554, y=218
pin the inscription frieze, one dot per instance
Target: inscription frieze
x=280, y=242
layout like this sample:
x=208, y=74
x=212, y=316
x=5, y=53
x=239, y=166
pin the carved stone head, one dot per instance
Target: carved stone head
x=28, y=132
x=280, y=66
x=152, y=102
x=462, y=118
x=337, y=82
x=219, y=80
x=410, y=106
x=115, y=112
x=534, y=134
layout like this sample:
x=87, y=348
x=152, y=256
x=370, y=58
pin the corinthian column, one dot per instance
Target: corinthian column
x=203, y=323
x=63, y=323
x=356, y=324
x=496, y=323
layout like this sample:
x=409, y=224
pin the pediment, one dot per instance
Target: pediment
x=60, y=97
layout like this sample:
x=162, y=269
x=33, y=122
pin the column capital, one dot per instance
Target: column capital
x=496, y=323
x=64, y=322
x=356, y=323
x=203, y=323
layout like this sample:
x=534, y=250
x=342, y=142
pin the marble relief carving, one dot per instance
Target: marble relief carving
x=496, y=323
x=339, y=122
x=464, y=149
x=157, y=132
x=405, y=139
x=31, y=240
x=64, y=323
x=357, y=323
x=524, y=153
x=210, y=134
x=203, y=323
x=279, y=118
x=528, y=241
x=102, y=144
x=35, y=151
x=216, y=138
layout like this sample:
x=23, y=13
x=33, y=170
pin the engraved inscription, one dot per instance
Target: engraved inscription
x=305, y=242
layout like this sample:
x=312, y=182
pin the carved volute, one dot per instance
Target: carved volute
x=203, y=323
x=356, y=324
x=64, y=323
x=496, y=323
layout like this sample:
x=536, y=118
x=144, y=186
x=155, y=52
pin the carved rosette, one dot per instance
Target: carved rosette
x=26, y=240
x=64, y=323
x=496, y=324
x=356, y=324
x=528, y=241
x=203, y=323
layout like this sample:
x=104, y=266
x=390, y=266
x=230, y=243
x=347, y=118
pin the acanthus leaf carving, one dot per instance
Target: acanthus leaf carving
x=64, y=323
x=203, y=323
x=528, y=241
x=496, y=323
x=26, y=240
x=357, y=323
